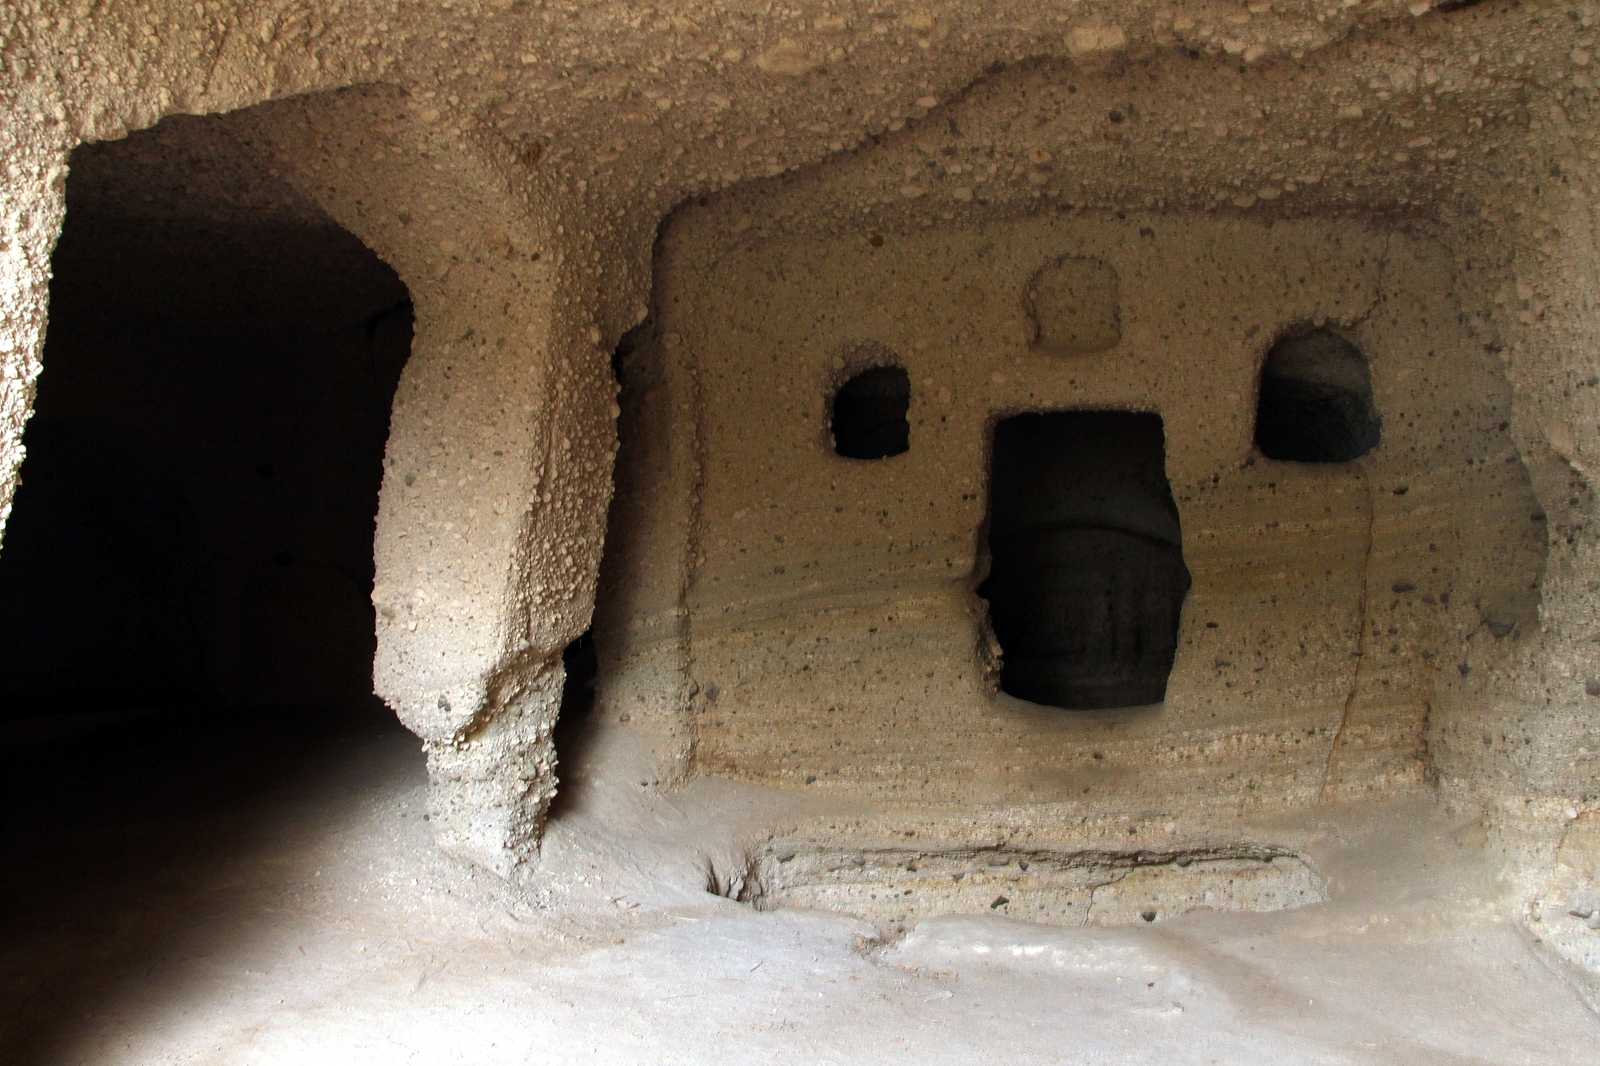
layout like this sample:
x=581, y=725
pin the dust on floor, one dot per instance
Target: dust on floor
x=273, y=897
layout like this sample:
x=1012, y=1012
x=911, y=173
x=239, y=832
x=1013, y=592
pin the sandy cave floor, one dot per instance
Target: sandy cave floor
x=271, y=895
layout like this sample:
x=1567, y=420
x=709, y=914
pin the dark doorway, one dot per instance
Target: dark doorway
x=1086, y=577
x=869, y=414
x=194, y=532
x=1316, y=401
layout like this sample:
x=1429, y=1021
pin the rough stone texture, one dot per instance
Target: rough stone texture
x=835, y=635
x=1565, y=908
x=318, y=924
x=1423, y=175
x=896, y=888
x=1074, y=306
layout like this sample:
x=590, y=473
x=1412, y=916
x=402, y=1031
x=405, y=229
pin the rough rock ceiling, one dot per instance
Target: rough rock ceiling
x=185, y=219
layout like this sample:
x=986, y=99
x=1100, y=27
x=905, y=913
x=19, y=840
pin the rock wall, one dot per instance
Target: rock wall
x=512, y=162
x=833, y=631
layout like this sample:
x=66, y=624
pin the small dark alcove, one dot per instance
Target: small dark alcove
x=575, y=724
x=1316, y=402
x=869, y=414
x=1086, y=577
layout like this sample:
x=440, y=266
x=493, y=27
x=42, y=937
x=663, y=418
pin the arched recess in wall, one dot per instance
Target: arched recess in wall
x=869, y=410
x=195, y=526
x=1315, y=403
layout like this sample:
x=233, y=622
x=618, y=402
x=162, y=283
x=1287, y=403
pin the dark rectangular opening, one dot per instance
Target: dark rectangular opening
x=1086, y=576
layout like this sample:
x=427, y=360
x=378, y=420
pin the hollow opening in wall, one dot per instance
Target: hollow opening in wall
x=869, y=414
x=574, y=734
x=1316, y=403
x=195, y=529
x=186, y=577
x=1086, y=573
x=581, y=665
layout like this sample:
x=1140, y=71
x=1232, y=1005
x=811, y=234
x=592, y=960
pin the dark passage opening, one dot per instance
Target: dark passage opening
x=194, y=531
x=1086, y=578
x=185, y=583
x=869, y=414
x=1316, y=401
x=582, y=665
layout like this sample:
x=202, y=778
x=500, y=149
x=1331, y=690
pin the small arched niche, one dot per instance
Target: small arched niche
x=1315, y=404
x=1073, y=305
x=869, y=414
